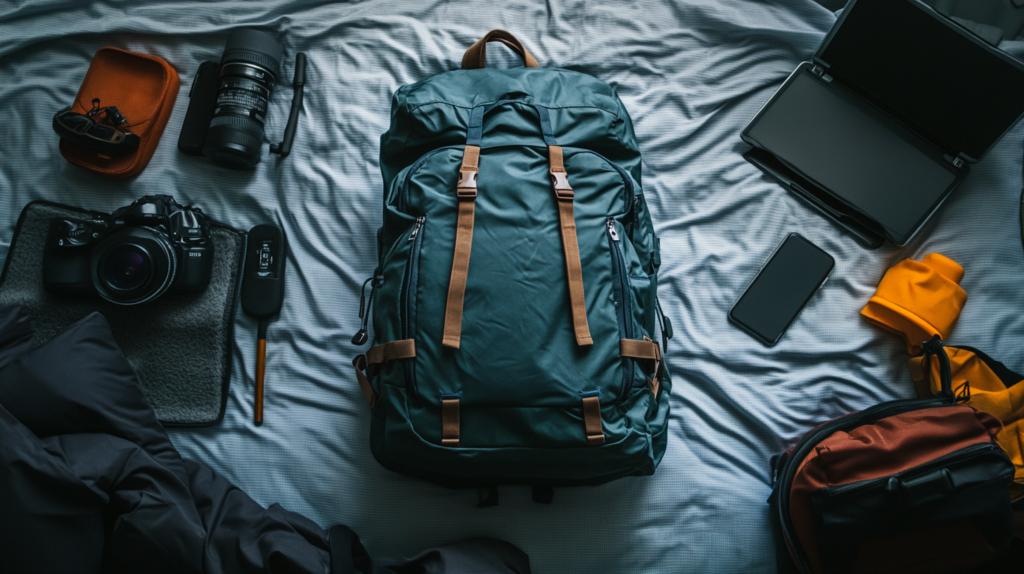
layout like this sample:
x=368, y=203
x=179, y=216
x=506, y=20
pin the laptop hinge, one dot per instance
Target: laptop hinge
x=820, y=71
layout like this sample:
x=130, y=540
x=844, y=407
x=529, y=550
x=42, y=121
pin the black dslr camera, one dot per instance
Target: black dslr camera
x=134, y=255
x=229, y=101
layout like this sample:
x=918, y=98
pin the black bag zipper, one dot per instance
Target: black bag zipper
x=955, y=456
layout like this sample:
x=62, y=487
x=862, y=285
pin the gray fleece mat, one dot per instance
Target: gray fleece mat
x=179, y=345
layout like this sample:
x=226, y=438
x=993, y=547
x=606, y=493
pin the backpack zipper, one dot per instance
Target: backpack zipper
x=416, y=230
x=962, y=454
x=623, y=299
x=408, y=298
x=611, y=229
x=366, y=303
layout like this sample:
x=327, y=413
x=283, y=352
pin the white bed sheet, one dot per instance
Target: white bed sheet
x=691, y=74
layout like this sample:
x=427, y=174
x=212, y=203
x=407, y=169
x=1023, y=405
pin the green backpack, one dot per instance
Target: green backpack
x=514, y=303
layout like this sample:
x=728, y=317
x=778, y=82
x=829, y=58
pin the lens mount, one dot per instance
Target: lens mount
x=133, y=266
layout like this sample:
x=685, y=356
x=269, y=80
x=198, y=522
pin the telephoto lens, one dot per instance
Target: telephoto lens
x=248, y=71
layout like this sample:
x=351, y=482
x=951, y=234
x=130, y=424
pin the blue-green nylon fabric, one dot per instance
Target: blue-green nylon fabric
x=519, y=373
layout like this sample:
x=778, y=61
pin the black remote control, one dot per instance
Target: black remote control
x=263, y=291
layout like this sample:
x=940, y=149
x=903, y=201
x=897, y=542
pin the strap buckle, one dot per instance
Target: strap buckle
x=561, y=184
x=466, y=187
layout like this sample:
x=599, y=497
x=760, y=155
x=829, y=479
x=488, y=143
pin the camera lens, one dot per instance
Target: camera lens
x=126, y=267
x=134, y=265
x=248, y=71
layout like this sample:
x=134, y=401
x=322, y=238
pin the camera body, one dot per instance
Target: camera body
x=134, y=255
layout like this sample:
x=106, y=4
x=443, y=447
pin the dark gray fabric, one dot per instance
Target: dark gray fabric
x=178, y=345
x=89, y=470
x=473, y=556
x=89, y=481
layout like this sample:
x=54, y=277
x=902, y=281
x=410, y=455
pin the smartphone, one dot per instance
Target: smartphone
x=786, y=282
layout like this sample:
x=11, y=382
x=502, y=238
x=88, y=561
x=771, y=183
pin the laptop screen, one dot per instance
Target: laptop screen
x=928, y=73
x=844, y=146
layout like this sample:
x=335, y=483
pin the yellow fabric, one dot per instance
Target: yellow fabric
x=918, y=299
x=988, y=393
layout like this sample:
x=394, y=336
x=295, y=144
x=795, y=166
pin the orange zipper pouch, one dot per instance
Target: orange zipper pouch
x=143, y=88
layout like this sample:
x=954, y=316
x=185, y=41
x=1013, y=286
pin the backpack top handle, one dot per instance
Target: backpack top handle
x=476, y=56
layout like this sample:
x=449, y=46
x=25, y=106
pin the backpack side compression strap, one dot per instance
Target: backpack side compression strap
x=404, y=349
x=649, y=350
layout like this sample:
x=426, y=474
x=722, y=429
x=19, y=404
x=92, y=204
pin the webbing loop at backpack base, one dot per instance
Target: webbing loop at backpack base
x=450, y=420
x=592, y=418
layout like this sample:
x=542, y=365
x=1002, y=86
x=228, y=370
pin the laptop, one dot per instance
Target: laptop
x=886, y=120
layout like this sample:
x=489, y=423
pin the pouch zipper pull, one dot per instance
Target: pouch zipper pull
x=611, y=230
x=416, y=230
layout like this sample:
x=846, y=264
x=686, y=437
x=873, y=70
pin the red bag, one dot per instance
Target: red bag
x=907, y=486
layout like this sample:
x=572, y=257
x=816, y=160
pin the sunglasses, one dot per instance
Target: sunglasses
x=84, y=130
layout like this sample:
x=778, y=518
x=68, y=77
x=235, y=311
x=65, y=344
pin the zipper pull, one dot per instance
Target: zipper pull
x=611, y=230
x=361, y=336
x=415, y=230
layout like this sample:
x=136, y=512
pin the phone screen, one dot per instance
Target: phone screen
x=781, y=289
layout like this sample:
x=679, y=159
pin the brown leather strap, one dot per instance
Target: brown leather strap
x=404, y=349
x=649, y=350
x=364, y=383
x=570, y=245
x=476, y=56
x=592, y=420
x=450, y=422
x=466, y=192
x=646, y=349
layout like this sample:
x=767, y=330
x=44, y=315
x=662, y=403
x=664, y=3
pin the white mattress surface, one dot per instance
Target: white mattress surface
x=691, y=75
